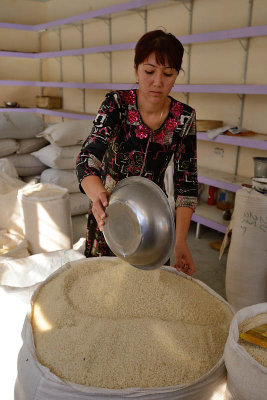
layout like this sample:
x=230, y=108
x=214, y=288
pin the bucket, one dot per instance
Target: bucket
x=260, y=167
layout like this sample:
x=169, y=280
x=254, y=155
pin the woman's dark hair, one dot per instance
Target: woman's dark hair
x=164, y=45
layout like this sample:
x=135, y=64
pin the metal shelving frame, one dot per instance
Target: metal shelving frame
x=243, y=35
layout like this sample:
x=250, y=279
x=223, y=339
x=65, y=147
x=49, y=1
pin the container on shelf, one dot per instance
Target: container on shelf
x=225, y=199
x=260, y=167
x=212, y=195
x=206, y=124
x=50, y=102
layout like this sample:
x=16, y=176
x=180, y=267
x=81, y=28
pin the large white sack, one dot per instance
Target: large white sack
x=47, y=217
x=79, y=203
x=26, y=164
x=34, y=381
x=10, y=215
x=17, y=125
x=14, y=304
x=69, y=133
x=61, y=177
x=26, y=146
x=8, y=168
x=8, y=146
x=58, y=157
x=79, y=224
x=246, y=270
x=246, y=378
x=12, y=245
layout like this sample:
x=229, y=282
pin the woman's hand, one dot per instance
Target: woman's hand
x=98, y=209
x=184, y=260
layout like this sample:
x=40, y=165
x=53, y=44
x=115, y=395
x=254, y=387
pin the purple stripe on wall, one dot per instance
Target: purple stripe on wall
x=220, y=184
x=235, y=140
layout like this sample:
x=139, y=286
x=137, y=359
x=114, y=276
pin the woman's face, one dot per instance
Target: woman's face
x=155, y=80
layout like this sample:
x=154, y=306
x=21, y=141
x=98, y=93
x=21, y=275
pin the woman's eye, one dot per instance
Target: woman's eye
x=149, y=72
x=168, y=74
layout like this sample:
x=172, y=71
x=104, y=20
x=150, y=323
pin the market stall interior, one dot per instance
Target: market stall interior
x=131, y=325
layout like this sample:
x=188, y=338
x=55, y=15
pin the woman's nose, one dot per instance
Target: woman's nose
x=157, y=80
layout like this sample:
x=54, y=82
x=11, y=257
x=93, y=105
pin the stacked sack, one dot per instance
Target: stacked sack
x=18, y=140
x=60, y=155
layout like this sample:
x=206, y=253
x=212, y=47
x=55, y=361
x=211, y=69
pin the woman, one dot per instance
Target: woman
x=136, y=132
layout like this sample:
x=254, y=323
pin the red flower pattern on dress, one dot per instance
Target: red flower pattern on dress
x=171, y=124
x=133, y=116
x=142, y=132
x=159, y=136
x=129, y=97
x=177, y=109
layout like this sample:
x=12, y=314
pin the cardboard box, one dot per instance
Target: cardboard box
x=49, y=102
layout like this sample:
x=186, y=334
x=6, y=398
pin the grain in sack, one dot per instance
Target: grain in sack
x=100, y=328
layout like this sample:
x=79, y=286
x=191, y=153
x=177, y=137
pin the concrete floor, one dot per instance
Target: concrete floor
x=208, y=267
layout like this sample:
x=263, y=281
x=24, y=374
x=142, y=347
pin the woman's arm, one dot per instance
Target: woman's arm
x=184, y=260
x=95, y=190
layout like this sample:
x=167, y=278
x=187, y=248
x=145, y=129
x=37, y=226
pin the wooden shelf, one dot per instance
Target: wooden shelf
x=255, y=142
x=222, y=180
x=210, y=216
x=251, y=31
x=232, y=89
x=44, y=111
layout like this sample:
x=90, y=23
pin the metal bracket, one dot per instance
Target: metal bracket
x=244, y=43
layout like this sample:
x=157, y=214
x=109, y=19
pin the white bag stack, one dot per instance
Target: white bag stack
x=66, y=139
x=10, y=215
x=246, y=378
x=17, y=141
x=246, y=271
x=12, y=245
x=47, y=217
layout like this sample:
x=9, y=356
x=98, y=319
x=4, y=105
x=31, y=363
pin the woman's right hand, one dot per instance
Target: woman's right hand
x=98, y=209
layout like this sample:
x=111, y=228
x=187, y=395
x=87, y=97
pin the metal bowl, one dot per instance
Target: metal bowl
x=139, y=227
x=260, y=184
x=11, y=104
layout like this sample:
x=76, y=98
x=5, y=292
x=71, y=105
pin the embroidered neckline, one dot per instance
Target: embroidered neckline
x=143, y=124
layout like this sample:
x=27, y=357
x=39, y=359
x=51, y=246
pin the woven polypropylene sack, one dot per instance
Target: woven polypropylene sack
x=246, y=378
x=36, y=382
x=19, y=125
x=47, y=217
x=246, y=271
x=8, y=146
x=64, y=178
x=58, y=157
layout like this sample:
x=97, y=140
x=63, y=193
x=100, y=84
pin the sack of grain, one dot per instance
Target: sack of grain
x=18, y=279
x=12, y=245
x=58, y=157
x=10, y=215
x=246, y=272
x=47, y=217
x=8, y=146
x=79, y=203
x=115, y=331
x=61, y=177
x=246, y=364
x=26, y=146
x=8, y=168
x=26, y=164
x=69, y=133
x=20, y=125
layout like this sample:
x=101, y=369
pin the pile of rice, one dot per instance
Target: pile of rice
x=107, y=324
x=257, y=352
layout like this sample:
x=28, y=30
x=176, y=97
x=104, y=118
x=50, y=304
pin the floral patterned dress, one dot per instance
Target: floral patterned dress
x=121, y=145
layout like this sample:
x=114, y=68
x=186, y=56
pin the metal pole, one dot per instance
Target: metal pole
x=190, y=9
x=83, y=66
x=61, y=68
x=110, y=42
x=242, y=96
x=145, y=19
x=40, y=63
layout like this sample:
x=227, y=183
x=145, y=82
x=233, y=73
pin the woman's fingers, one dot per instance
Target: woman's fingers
x=98, y=209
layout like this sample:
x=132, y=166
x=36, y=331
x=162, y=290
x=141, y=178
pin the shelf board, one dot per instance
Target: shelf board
x=251, y=31
x=210, y=216
x=44, y=111
x=255, y=142
x=232, y=89
x=131, y=5
x=222, y=180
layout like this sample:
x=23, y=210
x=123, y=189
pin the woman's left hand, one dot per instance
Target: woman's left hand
x=184, y=260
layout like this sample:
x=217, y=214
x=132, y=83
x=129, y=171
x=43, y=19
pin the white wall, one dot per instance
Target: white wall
x=211, y=63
